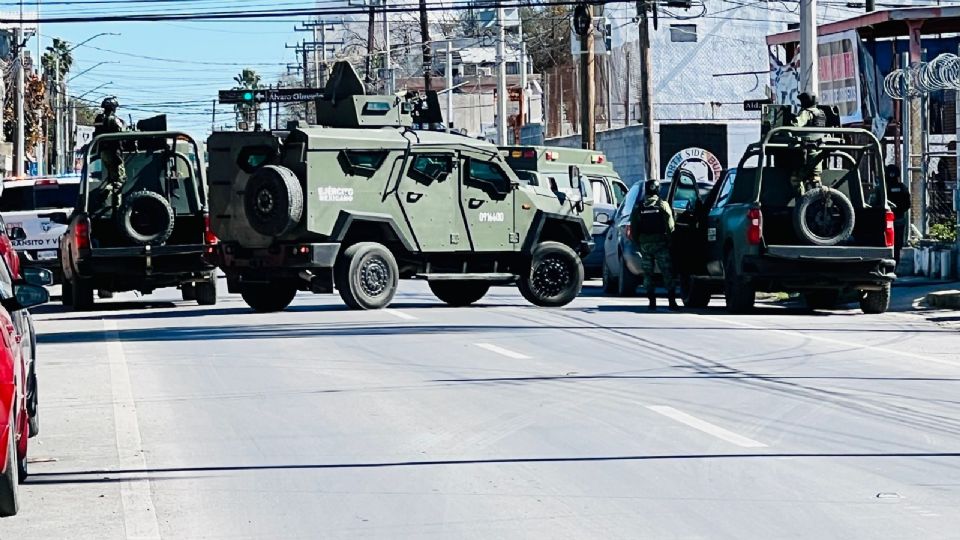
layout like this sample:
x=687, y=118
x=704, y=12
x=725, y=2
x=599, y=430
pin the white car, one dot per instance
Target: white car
x=40, y=206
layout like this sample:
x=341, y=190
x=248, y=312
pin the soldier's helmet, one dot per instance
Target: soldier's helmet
x=110, y=104
x=651, y=187
x=807, y=100
x=892, y=172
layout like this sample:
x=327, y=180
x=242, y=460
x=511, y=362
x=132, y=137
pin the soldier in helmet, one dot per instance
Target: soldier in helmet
x=809, y=116
x=111, y=155
x=651, y=224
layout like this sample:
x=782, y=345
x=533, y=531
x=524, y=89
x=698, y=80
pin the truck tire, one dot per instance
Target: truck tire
x=554, y=276
x=366, y=276
x=459, y=293
x=823, y=299
x=188, y=292
x=146, y=218
x=739, y=294
x=9, y=502
x=693, y=292
x=876, y=302
x=206, y=292
x=267, y=297
x=81, y=294
x=824, y=217
x=66, y=293
x=273, y=200
x=609, y=282
x=627, y=282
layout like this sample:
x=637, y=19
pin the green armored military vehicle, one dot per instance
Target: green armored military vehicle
x=363, y=200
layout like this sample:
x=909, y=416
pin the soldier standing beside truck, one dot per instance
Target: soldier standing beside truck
x=652, y=225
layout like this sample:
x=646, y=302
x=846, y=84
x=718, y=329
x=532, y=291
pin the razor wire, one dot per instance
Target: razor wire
x=941, y=73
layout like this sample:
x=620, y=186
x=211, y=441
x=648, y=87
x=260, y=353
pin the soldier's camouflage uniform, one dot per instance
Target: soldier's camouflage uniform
x=809, y=117
x=655, y=248
x=111, y=159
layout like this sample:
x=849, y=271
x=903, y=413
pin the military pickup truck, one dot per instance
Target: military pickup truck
x=744, y=237
x=159, y=236
x=363, y=200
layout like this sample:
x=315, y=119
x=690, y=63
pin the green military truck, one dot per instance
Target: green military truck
x=363, y=200
x=753, y=232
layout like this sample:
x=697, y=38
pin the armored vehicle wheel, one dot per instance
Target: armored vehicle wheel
x=824, y=217
x=81, y=294
x=739, y=294
x=206, y=292
x=459, y=293
x=554, y=277
x=188, y=292
x=146, y=217
x=268, y=297
x=366, y=276
x=609, y=282
x=694, y=293
x=627, y=282
x=876, y=302
x=824, y=299
x=273, y=200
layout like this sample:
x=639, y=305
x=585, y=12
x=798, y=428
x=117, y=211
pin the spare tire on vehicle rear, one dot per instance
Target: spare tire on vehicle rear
x=273, y=200
x=824, y=217
x=146, y=218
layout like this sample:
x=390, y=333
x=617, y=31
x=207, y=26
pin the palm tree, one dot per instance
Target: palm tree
x=247, y=79
x=59, y=50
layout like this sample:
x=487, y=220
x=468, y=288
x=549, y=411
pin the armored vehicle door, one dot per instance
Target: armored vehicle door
x=429, y=195
x=487, y=201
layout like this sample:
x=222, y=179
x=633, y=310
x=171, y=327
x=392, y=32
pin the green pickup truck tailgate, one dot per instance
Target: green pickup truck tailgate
x=830, y=253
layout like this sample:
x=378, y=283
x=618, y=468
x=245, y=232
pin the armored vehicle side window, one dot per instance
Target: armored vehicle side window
x=429, y=168
x=488, y=176
x=528, y=177
x=600, y=194
x=362, y=163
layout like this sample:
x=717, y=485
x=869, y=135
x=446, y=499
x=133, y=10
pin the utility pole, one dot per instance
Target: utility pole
x=371, y=24
x=425, y=40
x=57, y=116
x=387, y=62
x=809, y=77
x=583, y=26
x=18, y=142
x=646, y=94
x=523, y=78
x=501, y=79
x=319, y=34
x=449, y=74
x=213, y=119
x=872, y=5
x=626, y=97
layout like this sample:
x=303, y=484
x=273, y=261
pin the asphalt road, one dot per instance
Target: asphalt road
x=600, y=420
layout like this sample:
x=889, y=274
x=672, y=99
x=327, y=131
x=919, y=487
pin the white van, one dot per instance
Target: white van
x=41, y=206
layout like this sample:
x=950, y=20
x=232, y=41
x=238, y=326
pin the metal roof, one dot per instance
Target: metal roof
x=886, y=23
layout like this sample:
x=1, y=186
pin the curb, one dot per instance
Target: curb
x=944, y=299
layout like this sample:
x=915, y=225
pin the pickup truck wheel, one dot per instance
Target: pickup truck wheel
x=554, y=277
x=609, y=282
x=9, y=503
x=693, y=292
x=82, y=295
x=459, y=293
x=876, y=302
x=146, y=218
x=821, y=299
x=66, y=293
x=188, y=292
x=627, y=282
x=206, y=292
x=366, y=276
x=273, y=200
x=824, y=217
x=268, y=297
x=738, y=293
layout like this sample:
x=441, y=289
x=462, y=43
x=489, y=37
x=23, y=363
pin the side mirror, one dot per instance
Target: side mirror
x=602, y=218
x=17, y=234
x=39, y=277
x=26, y=296
x=574, y=172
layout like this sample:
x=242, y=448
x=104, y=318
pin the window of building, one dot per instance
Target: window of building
x=683, y=33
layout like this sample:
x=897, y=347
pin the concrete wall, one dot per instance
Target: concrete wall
x=621, y=146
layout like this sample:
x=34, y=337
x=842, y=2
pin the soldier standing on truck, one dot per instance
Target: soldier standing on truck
x=651, y=223
x=809, y=116
x=111, y=155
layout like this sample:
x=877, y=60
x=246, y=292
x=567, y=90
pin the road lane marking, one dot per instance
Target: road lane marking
x=500, y=350
x=834, y=341
x=706, y=427
x=400, y=314
x=139, y=514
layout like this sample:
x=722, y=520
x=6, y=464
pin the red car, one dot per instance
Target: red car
x=15, y=296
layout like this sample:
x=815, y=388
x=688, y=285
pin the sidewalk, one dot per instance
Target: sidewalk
x=911, y=291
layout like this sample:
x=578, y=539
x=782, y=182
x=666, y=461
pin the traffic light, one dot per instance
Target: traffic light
x=247, y=96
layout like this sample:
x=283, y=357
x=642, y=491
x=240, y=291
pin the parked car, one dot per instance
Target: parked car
x=160, y=235
x=15, y=296
x=40, y=207
x=621, y=258
x=549, y=166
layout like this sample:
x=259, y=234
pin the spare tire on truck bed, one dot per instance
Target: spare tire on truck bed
x=824, y=217
x=273, y=200
x=146, y=218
